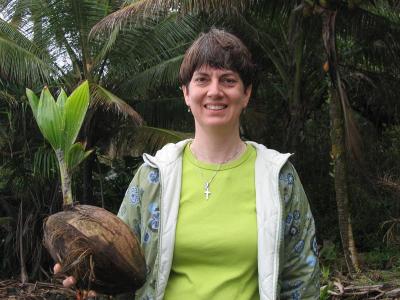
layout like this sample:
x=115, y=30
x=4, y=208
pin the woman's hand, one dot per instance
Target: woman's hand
x=70, y=281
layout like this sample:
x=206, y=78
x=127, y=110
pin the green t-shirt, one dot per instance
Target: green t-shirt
x=215, y=254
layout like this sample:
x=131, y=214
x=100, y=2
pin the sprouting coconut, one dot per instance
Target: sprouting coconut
x=92, y=244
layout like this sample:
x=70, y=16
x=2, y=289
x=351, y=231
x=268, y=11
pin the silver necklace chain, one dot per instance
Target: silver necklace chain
x=207, y=183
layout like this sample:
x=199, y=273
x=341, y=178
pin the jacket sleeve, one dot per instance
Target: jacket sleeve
x=299, y=271
x=140, y=210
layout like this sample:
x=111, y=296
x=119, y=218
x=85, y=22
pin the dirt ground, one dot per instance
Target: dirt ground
x=12, y=289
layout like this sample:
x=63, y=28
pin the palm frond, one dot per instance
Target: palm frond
x=8, y=98
x=137, y=11
x=45, y=162
x=161, y=75
x=101, y=97
x=147, y=140
x=383, y=9
x=20, y=59
x=108, y=45
x=153, y=139
x=152, y=54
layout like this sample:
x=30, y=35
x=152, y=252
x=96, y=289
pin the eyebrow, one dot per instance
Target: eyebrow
x=228, y=72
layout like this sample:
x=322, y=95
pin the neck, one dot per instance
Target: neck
x=217, y=148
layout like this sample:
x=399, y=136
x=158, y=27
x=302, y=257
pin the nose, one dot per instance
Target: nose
x=214, y=89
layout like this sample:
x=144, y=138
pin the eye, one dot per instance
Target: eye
x=229, y=80
x=200, y=79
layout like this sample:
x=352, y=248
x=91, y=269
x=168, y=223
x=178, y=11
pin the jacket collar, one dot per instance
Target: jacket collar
x=166, y=155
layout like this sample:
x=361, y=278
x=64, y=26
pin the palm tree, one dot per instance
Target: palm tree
x=345, y=136
x=61, y=29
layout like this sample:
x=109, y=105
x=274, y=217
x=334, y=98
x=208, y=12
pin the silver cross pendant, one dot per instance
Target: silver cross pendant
x=207, y=192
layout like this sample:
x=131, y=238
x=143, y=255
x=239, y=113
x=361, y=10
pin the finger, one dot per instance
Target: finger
x=57, y=268
x=92, y=294
x=69, y=281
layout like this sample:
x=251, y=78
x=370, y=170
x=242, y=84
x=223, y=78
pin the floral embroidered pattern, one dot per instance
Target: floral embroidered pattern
x=314, y=245
x=311, y=260
x=146, y=238
x=299, y=247
x=154, y=221
x=296, y=215
x=289, y=219
x=154, y=176
x=286, y=198
x=287, y=178
x=296, y=295
x=293, y=230
x=135, y=195
x=290, y=178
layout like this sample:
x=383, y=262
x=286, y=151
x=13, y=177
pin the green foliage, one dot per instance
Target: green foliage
x=139, y=62
x=328, y=254
x=74, y=113
x=383, y=259
x=61, y=121
x=45, y=163
x=326, y=283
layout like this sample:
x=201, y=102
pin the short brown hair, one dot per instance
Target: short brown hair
x=219, y=49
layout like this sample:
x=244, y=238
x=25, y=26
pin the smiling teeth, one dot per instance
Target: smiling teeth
x=215, y=107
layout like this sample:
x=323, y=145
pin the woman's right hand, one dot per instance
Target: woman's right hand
x=70, y=282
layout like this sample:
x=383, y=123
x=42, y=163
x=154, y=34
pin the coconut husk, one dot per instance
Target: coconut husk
x=97, y=248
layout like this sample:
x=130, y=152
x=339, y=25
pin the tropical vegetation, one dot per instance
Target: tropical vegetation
x=327, y=90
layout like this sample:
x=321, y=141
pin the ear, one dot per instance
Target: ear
x=247, y=94
x=185, y=90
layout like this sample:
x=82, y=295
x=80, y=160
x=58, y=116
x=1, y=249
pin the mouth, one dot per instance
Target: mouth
x=215, y=106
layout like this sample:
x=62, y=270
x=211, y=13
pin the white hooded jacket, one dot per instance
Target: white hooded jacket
x=278, y=200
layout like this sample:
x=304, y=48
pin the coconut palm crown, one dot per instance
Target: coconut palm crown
x=59, y=122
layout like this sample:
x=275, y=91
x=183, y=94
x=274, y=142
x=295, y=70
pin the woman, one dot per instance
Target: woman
x=220, y=218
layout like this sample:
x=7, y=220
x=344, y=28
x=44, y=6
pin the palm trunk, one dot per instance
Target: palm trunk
x=296, y=111
x=338, y=154
x=22, y=264
x=338, y=151
x=88, y=166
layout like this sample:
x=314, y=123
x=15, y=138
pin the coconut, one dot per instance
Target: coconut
x=97, y=248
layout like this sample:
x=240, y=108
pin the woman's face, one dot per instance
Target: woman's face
x=216, y=97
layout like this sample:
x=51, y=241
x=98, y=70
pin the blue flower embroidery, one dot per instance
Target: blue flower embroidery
x=146, y=238
x=286, y=198
x=289, y=218
x=296, y=284
x=290, y=178
x=154, y=221
x=311, y=260
x=296, y=295
x=135, y=194
x=154, y=176
x=296, y=215
x=293, y=230
x=314, y=246
x=299, y=246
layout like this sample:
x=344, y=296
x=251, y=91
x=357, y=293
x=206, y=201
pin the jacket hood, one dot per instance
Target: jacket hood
x=167, y=154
